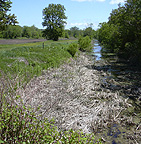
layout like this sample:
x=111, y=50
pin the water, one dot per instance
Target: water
x=97, y=51
x=128, y=78
x=127, y=81
x=115, y=68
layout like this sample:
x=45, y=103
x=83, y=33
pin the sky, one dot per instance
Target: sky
x=79, y=13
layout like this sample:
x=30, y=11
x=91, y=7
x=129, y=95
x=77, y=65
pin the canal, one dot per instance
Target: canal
x=125, y=79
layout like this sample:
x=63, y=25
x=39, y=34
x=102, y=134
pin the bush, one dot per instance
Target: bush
x=73, y=48
x=20, y=124
x=85, y=44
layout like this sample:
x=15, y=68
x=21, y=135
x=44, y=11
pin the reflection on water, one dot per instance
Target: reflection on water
x=97, y=51
x=127, y=80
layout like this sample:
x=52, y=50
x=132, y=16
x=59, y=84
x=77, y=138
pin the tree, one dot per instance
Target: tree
x=122, y=33
x=128, y=20
x=27, y=32
x=12, y=32
x=74, y=31
x=35, y=32
x=89, y=32
x=54, y=20
x=6, y=19
x=66, y=34
x=85, y=44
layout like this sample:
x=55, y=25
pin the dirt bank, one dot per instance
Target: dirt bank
x=75, y=97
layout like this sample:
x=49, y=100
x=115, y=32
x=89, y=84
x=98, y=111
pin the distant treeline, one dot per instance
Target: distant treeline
x=13, y=32
x=122, y=33
x=76, y=32
x=17, y=31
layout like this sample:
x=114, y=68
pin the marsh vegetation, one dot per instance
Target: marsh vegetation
x=69, y=90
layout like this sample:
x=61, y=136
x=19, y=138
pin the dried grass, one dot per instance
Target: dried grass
x=74, y=97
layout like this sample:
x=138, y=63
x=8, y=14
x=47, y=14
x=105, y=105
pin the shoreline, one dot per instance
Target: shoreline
x=74, y=96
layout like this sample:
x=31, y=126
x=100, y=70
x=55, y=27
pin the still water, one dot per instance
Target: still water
x=127, y=81
x=97, y=51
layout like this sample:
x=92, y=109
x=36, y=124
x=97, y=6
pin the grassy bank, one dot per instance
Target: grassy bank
x=20, y=123
x=30, y=59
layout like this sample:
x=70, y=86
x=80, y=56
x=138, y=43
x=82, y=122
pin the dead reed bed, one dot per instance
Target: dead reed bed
x=74, y=96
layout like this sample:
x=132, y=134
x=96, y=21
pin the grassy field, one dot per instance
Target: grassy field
x=29, y=59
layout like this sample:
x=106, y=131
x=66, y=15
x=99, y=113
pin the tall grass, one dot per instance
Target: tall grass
x=29, y=60
x=48, y=42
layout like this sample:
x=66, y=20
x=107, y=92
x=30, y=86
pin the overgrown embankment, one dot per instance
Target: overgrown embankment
x=20, y=122
x=74, y=96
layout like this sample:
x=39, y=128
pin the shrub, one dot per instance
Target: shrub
x=73, y=48
x=85, y=44
x=20, y=124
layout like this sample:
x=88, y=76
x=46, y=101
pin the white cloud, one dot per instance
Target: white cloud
x=101, y=0
x=88, y=0
x=116, y=1
x=78, y=24
x=82, y=25
x=81, y=0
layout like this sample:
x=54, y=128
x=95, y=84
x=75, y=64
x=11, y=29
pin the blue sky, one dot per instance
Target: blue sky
x=80, y=13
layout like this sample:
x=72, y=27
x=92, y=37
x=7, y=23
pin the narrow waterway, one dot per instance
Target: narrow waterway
x=128, y=77
x=126, y=80
x=95, y=93
x=97, y=51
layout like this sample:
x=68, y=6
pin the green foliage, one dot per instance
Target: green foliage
x=6, y=19
x=66, y=34
x=78, y=137
x=74, y=32
x=54, y=20
x=28, y=60
x=73, y=49
x=89, y=32
x=21, y=124
x=122, y=33
x=85, y=44
x=18, y=124
x=12, y=32
x=26, y=32
x=31, y=32
x=108, y=36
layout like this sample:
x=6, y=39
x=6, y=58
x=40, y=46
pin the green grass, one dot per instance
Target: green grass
x=11, y=46
x=28, y=60
x=19, y=123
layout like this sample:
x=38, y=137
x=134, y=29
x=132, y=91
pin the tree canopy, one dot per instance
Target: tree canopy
x=6, y=19
x=54, y=20
x=122, y=33
x=16, y=31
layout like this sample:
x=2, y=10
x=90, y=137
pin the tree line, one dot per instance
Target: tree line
x=16, y=31
x=76, y=32
x=122, y=33
x=54, y=21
